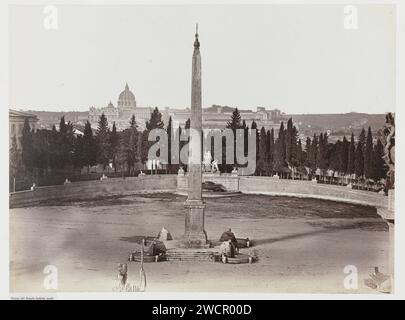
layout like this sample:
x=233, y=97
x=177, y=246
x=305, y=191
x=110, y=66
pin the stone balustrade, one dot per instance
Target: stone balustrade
x=85, y=190
x=171, y=183
x=309, y=189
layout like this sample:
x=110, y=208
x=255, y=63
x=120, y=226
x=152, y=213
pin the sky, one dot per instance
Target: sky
x=297, y=58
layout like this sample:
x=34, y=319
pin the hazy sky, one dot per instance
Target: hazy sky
x=298, y=58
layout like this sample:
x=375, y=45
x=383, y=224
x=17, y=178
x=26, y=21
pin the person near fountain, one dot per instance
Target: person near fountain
x=229, y=236
x=156, y=248
x=227, y=249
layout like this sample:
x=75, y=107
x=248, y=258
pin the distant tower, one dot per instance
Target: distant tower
x=195, y=235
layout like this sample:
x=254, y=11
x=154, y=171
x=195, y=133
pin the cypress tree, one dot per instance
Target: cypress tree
x=335, y=156
x=344, y=155
x=170, y=134
x=368, y=156
x=322, y=154
x=131, y=142
x=14, y=160
x=261, y=163
x=234, y=124
x=27, y=148
x=351, y=156
x=295, y=162
x=254, y=127
x=313, y=155
x=279, y=160
x=291, y=144
x=307, y=152
x=272, y=148
x=66, y=142
x=178, y=135
x=62, y=126
x=79, y=153
x=102, y=138
x=143, y=144
x=132, y=123
x=379, y=166
x=114, y=144
x=299, y=157
x=359, y=155
x=89, y=147
x=42, y=144
x=54, y=148
x=245, y=137
x=289, y=141
x=236, y=121
x=155, y=121
x=268, y=149
x=282, y=144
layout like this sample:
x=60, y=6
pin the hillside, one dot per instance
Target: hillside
x=338, y=124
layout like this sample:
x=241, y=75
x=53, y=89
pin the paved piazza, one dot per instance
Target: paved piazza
x=303, y=244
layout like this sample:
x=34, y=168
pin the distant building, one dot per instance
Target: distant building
x=16, y=121
x=214, y=117
x=121, y=115
x=217, y=117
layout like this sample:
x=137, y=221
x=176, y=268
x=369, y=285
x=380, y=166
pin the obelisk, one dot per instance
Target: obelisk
x=195, y=235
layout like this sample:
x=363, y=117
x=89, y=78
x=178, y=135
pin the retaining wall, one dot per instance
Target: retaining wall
x=310, y=189
x=95, y=189
x=170, y=183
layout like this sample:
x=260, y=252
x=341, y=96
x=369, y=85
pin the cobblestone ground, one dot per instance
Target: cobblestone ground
x=303, y=244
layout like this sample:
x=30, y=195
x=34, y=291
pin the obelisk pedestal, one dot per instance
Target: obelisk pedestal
x=195, y=235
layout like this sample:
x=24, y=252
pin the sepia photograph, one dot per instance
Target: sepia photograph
x=201, y=148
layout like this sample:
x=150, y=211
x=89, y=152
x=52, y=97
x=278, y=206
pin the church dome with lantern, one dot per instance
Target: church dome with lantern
x=126, y=99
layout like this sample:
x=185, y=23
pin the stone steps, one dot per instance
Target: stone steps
x=190, y=254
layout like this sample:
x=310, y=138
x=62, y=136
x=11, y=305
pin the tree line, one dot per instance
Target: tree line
x=50, y=152
x=287, y=156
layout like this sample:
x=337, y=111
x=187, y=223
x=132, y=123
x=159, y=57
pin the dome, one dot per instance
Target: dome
x=126, y=98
